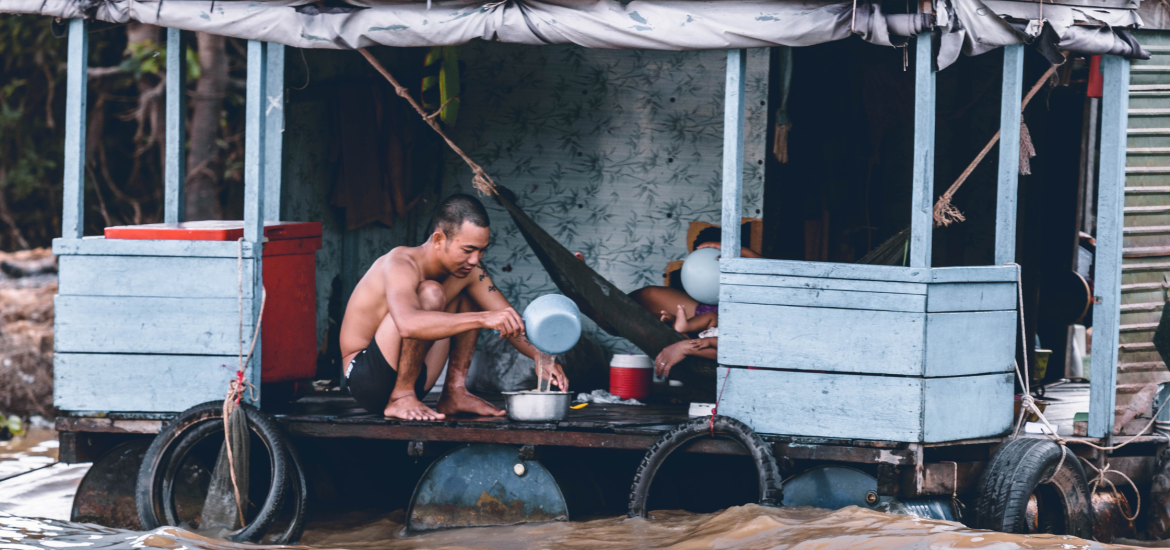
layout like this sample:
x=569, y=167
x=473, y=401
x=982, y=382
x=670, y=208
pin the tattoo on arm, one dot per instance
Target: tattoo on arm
x=491, y=288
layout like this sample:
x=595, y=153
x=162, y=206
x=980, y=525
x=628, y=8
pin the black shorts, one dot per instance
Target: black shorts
x=370, y=379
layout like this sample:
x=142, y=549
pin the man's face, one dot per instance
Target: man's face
x=461, y=253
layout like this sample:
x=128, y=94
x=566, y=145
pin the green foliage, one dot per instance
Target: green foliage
x=144, y=57
x=31, y=125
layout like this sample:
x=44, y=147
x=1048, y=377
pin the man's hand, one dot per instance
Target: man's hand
x=506, y=321
x=557, y=376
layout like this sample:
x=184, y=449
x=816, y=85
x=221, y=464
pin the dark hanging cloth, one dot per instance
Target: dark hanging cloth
x=605, y=303
x=361, y=180
x=385, y=157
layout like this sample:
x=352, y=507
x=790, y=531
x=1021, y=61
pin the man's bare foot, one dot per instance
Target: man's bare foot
x=462, y=401
x=408, y=407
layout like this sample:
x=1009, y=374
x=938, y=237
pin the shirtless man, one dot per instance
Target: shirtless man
x=419, y=306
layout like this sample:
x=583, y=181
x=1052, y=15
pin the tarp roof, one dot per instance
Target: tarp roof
x=967, y=26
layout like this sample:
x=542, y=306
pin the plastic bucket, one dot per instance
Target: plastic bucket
x=553, y=323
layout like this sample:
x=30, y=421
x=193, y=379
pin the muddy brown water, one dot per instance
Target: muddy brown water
x=742, y=527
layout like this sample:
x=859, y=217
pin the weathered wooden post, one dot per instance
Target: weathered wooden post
x=254, y=180
x=73, y=204
x=1009, y=154
x=733, y=109
x=175, y=197
x=274, y=129
x=1110, y=222
x=922, y=196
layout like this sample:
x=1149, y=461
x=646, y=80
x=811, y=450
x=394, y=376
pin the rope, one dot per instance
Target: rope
x=956, y=506
x=1102, y=479
x=479, y=179
x=718, y=399
x=240, y=386
x=1028, y=403
x=944, y=212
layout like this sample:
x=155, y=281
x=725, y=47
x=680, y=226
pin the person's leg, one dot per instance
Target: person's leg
x=404, y=403
x=660, y=299
x=456, y=397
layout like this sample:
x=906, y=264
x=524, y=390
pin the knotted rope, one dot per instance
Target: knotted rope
x=1028, y=406
x=240, y=386
x=945, y=213
x=480, y=179
x=1102, y=479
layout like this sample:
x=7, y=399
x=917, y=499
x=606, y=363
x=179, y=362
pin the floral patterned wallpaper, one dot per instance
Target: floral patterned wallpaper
x=614, y=152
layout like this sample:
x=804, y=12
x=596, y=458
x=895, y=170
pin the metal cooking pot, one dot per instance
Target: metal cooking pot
x=532, y=406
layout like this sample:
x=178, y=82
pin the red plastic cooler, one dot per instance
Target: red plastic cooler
x=289, y=333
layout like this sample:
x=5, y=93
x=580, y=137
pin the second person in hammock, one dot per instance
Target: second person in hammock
x=418, y=308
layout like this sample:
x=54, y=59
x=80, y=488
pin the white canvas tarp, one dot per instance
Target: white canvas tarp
x=968, y=26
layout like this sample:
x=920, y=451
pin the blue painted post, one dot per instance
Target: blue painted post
x=733, y=114
x=73, y=204
x=254, y=141
x=175, y=198
x=922, y=196
x=274, y=130
x=1110, y=224
x=254, y=152
x=1009, y=154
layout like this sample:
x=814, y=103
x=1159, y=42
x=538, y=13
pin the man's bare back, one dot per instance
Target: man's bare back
x=418, y=308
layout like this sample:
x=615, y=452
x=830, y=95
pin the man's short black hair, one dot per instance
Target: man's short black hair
x=450, y=214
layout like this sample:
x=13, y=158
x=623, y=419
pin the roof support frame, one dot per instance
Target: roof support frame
x=733, y=122
x=1009, y=154
x=1107, y=264
x=175, y=169
x=73, y=203
x=922, y=195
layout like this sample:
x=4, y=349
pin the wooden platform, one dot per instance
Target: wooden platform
x=595, y=426
x=912, y=469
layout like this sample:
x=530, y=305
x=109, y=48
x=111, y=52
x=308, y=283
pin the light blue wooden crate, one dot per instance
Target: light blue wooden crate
x=851, y=406
x=868, y=352
x=148, y=326
x=139, y=382
x=867, y=319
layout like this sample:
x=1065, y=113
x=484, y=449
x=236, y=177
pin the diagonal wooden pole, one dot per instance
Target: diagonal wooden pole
x=480, y=180
x=944, y=213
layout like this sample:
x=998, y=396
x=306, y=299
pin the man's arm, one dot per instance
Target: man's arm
x=401, y=283
x=489, y=298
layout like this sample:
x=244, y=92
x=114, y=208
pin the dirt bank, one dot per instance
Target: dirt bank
x=28, y=282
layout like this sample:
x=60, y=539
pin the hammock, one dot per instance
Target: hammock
x=597, y=298
x=603, y=302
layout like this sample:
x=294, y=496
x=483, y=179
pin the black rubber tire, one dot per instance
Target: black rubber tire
x=725, y=427
x=1026, y=466
x=298, y=496
x=153, y=492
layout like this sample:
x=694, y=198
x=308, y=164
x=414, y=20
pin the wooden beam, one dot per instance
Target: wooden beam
x=73, y=204
x=733, y=108
x=1110, y=226
x=1009, y=154
x=922, y=196
x=274, y=130
x=254, y=153
x=175, y=198
x=255, y=142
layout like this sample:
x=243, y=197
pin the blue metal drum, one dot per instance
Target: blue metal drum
x=482, y=485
